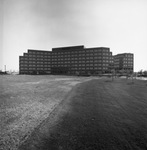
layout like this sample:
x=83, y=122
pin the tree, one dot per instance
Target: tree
x=145, y=73
x=140, y=73
x=111, y=69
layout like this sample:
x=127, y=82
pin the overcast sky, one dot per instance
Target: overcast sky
x=120, y=25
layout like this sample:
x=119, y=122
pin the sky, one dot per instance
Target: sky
x=120, y=25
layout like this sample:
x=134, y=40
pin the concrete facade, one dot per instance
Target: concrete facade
x=124, y=62
x=35, y=62
x=80, y=60
x=74, y=60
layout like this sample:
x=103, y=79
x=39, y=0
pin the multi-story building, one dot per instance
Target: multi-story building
x=35, y=62
x=68, y=60
x=124, y=62
x=80, y=60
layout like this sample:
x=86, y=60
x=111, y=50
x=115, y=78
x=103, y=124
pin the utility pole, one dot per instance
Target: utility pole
x=5, y=68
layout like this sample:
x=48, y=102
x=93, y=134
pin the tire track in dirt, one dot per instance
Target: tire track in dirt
x=95, y=115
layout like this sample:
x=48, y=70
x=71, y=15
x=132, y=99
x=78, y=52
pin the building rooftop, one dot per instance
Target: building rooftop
x=29, y=50
x=68, y=48
x=123, y=54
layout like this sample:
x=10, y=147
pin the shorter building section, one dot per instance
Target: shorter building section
x=35, y=62
x=124, y=63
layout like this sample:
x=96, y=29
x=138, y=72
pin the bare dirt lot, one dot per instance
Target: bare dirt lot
x=25, y=101
x=96, y=115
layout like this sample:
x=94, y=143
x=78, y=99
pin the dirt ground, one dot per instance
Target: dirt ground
x=26, y=101
x=96, y=115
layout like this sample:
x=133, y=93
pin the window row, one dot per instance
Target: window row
x=32, y=65
x=39, y=53
x=79, y=58
x=80, y=55
x=84, y=61
x=40, y=56
x=39, y=68
x=81, y=51
x=80, y=65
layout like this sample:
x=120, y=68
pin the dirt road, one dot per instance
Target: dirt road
x=96, y=115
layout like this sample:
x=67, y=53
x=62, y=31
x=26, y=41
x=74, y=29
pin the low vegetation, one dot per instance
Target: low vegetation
x=25, y=101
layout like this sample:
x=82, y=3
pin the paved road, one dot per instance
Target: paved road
x=96, y=115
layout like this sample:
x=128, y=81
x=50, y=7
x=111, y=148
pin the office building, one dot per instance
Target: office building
x=80, y=60
x=35, y=62
x=74, y=60
x=124, y=62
